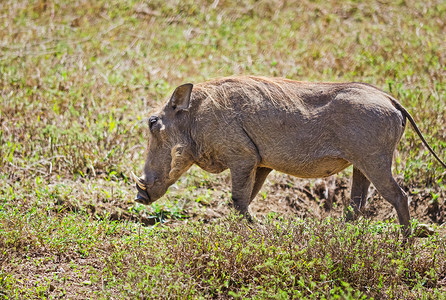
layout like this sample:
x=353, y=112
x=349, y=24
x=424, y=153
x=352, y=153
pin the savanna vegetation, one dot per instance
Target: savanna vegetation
x=77, y=82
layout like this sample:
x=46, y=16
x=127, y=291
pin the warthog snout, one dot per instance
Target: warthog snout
x=142, y=196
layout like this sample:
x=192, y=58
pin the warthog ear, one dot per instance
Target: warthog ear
x=180, y=99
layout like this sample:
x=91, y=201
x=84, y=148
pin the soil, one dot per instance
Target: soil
x=321, y=198
x=281, y=194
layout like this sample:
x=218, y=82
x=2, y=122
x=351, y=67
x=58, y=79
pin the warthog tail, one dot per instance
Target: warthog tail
x=414, y=125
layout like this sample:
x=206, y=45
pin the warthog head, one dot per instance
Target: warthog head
x=169, y=150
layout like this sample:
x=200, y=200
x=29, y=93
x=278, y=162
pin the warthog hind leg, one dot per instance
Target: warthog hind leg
x=380, y=174
x=360, y=187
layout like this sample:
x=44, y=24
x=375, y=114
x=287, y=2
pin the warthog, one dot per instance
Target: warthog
x=252, y=125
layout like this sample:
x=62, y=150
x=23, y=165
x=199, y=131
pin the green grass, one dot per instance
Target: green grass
x=77, y=80
x=277, y=258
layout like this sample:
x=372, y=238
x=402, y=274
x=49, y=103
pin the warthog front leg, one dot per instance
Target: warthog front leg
x=261, y=175
x=243, y=179
x=246, y=183
x=360, y=187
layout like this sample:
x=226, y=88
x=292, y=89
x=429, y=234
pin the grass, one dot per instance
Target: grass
x=277, y=258
x=77, y=79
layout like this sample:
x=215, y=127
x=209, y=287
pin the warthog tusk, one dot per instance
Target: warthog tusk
x=138, y=182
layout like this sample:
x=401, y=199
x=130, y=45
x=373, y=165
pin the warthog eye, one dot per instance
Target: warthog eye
x=152, y=121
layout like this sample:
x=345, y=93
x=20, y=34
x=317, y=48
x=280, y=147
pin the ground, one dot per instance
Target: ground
x=281, y=194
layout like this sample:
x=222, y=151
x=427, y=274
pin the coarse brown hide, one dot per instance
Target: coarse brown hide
x=252, y=125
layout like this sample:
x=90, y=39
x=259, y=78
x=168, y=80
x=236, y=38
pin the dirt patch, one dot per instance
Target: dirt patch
x=328, y=197
x=281, y=194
